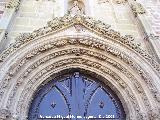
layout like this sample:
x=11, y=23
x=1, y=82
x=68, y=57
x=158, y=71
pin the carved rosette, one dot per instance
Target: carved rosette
x=13, y=4
x=137, y=8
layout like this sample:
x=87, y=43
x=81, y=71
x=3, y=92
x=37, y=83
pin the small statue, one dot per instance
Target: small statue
x=75, y=10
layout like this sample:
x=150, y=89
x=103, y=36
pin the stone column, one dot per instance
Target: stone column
x=11, y=7
x=152, y=38
x=147, y=31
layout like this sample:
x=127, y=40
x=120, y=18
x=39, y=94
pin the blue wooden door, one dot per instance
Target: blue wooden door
x=75, y=96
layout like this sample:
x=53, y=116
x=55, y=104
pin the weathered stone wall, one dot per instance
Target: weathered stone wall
x=34, y=14
x=119, y=16
x=153, y=14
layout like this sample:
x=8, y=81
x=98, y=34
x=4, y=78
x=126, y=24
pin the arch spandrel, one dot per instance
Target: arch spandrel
x=30, y=55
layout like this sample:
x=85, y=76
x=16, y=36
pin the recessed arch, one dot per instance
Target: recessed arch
x=35, y=79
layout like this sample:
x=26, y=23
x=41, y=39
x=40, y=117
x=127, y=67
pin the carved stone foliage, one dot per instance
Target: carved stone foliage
x=137, y=8
x=13, y=4
x=153, y=37
x=4, y=114
x=100, y=28
x=120, y=1
x=140, y=116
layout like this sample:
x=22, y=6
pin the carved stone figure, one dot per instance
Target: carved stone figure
x=75, y=9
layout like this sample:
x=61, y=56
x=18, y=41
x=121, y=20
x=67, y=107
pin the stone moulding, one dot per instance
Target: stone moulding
x=98, y=27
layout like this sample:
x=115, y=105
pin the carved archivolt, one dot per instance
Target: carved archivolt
x=81, y=61
x=78, y=61
x=85, y=42
x=14, y=70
